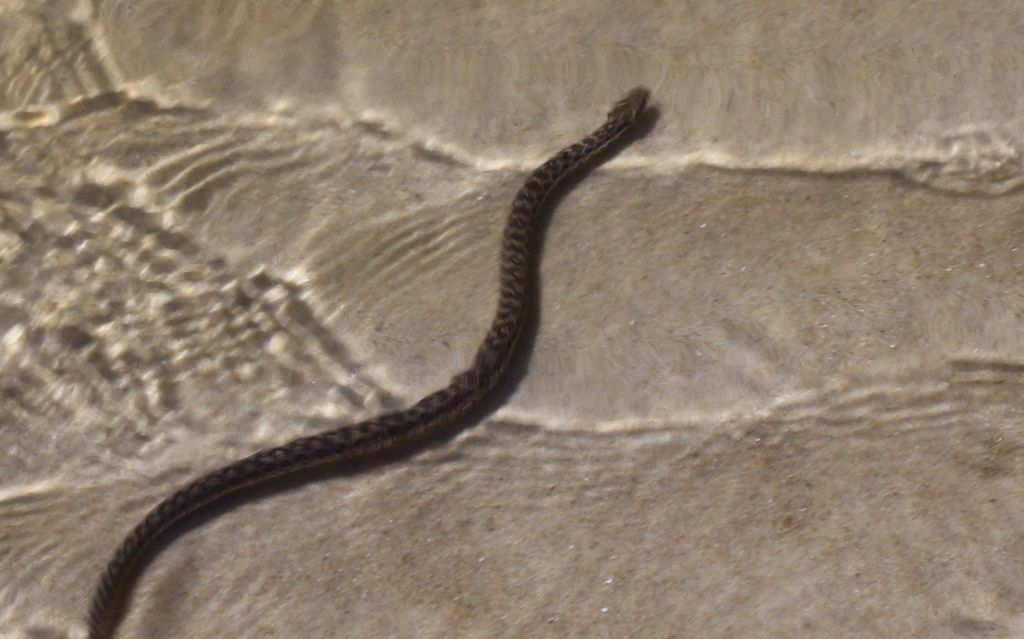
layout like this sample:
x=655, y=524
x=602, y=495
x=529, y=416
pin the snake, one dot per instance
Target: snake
x=465, y=389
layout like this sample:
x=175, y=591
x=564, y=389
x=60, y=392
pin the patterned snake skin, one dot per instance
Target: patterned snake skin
x=357, y=440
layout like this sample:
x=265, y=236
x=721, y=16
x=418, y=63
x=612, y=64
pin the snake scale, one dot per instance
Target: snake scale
x=439, y=407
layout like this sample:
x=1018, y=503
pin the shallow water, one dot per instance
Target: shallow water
x=774, y=390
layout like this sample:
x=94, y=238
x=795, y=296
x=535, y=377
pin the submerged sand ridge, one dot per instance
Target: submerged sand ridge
x=774, y=386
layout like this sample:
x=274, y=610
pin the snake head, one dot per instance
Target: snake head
x=630, y=106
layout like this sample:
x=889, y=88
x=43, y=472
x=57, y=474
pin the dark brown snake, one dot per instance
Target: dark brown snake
x=439, y=407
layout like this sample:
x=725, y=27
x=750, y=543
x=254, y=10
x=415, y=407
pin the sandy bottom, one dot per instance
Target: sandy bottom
x=775, y=388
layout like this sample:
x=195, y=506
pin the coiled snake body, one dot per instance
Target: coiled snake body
x=465, y=388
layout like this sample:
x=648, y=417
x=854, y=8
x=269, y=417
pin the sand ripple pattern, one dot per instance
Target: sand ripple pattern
x=821, y=436
x=46, y=61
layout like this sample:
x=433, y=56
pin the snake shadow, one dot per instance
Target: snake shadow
x=517, y=369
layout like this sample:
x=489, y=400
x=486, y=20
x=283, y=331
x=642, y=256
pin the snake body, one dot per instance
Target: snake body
x=371, y=435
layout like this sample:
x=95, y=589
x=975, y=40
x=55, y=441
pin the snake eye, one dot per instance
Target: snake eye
x=630, y=106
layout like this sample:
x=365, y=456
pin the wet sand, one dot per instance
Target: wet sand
x=775, y=385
